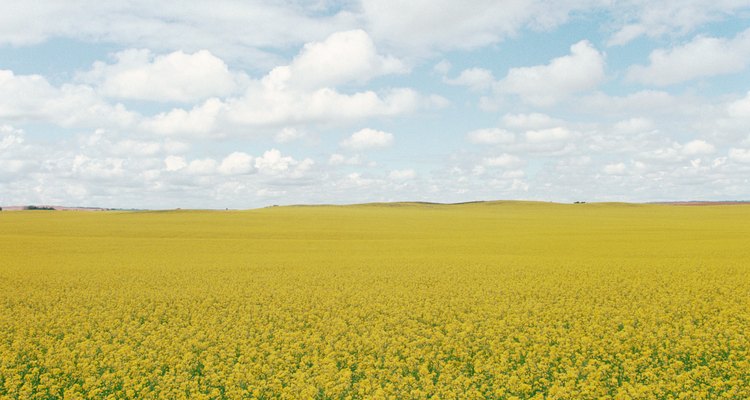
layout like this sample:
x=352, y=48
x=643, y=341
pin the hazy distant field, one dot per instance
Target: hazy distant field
x=494, y=300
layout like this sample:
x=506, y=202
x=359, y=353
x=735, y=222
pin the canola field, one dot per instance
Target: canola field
x=502, y=300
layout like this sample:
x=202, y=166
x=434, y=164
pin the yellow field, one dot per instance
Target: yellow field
x=494, y=300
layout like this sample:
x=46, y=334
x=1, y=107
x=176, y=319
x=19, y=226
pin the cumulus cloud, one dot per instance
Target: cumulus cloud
x=343, y=57
x=402, y=174
x=740, y=108
x=195, y=153
x=10, y=137
x=530, y=121
x=633, y=125
x=462, y=25
x=475, y=78
x=667, y=17
x=300, y=93
x=697, y=147
x=241, y=31
x=272, y=162
x=740, y=155
x=288, y=134
x=269, y=106
x=701, y=57
x=237, y=163
x=340, y=159
x=251, y=31
x=205, y=166
x=643, y=102
x=98, y=168
x=491, y=136
x=110, y=143
x=615, y=169
x=177, y=76
x=547, y=135
x=31, y=98
x=368, y=139
x=174, y=163
x=304, y=92
x=200, y=120
x=442, y=67
x=540, y=85
x=15, y=156
x=503, y=161
x=544, y=85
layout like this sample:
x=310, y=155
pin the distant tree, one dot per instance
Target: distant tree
x=40, y=208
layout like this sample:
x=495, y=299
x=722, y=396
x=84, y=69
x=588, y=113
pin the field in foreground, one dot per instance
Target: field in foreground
x=490, y=300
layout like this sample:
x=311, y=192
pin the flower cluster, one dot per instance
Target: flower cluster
x=506, y=301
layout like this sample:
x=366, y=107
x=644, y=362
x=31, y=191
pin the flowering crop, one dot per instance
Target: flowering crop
x=493, y=300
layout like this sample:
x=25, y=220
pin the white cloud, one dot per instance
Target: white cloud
x=328, y=87
x=340, y=159
x=287, y=135
x=136, y=147
x=530, y=121
x=174, y=163
x=109, y=143
x=368, y=139
x=31, y=98
x=615, y=169
x=547, y=135
x=289, y=96
x=667, y=17
x=633, y=125
x=402, y=174
x=343, y=57
x=272, y=162
x=270, y=193
x=475, y=78
x=701, y=57
x=670, y=154
x=237, y=163
x=251, y=31
x=411, y=26
x=200, y=120
x=177, y=76
x=697, y=147
x=268, y=106
x=15, y=157
x=513, y=174
x=242, y=31
x=545, y=85
x=503, y=161
x=303, y=93
x=740, y=155
x=10, y=137
x=491, y=136
x=740, y=108
x=174, y=147
x=205, y=166
x=644, y=102
x=442, y=67
x=98, y=169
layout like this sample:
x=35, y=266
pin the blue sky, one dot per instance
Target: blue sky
x=245, y=104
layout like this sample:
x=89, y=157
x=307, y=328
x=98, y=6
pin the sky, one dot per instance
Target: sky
x=244, y=104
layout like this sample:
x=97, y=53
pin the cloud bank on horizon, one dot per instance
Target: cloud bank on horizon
x=245, y=104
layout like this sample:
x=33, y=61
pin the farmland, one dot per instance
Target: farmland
x=488, y=300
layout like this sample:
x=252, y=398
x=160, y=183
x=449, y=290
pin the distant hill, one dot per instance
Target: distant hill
x=395, y=204
x=52, y=208
x=703, y=203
